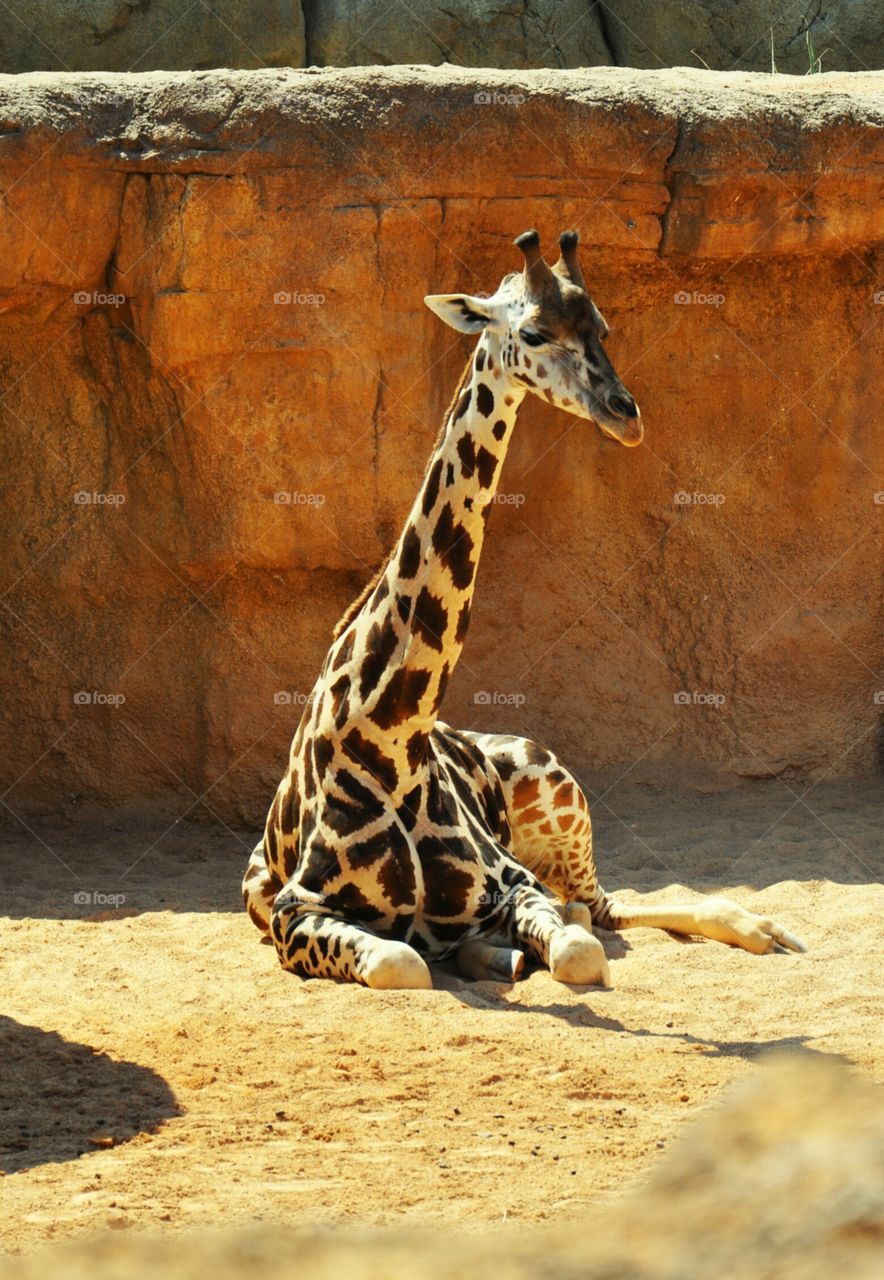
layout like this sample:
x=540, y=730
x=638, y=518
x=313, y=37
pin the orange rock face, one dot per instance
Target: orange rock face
x=220, y=387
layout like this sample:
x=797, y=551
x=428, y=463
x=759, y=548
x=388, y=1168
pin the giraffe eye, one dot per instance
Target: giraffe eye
x=532, y=338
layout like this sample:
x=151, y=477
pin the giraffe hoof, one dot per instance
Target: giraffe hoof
x=482, y=961
x=511, y=967
x=397, y=967
x=578, y=957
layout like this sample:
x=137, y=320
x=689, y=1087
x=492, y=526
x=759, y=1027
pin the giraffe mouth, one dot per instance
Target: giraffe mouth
x=628, y=432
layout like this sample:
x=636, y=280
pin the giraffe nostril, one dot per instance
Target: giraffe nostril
x=622, y=405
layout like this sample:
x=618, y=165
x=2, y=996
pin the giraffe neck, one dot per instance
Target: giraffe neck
x=388, y=669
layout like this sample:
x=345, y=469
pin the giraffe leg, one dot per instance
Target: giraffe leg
x=576, y=913
x=552, y=837
x=483, y=961
x=321, y=946
x=568, y=951
x=715, y=918
x=259, y=888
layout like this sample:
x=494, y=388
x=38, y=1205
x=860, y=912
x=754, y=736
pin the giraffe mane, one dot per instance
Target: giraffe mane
x=353, y=609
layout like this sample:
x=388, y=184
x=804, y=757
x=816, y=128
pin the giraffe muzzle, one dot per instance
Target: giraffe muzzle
x=622, y=419
x=629, y=432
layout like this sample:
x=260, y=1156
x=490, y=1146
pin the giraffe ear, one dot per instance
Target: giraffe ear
x=466, y=313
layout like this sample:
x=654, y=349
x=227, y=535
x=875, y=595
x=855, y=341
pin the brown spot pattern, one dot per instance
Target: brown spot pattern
x=454, y=547
x=401, y=698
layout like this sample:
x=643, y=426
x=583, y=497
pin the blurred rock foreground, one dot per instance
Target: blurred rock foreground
x=785, y=1179
x=146, y=35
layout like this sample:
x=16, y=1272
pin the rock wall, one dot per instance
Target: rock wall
x=145, y=35
x=220, y=387
x=720, y=34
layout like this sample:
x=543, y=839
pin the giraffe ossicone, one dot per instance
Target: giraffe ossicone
x=394, y=839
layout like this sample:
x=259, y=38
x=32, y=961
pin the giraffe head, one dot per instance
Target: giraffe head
x=548, y=334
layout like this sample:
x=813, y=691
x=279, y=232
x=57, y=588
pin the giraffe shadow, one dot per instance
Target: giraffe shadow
x=496, y=997
x=60, y=1099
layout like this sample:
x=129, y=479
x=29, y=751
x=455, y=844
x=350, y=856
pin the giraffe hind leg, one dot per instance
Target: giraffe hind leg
x=548, y=815
x=552, y=836
x=716, y=918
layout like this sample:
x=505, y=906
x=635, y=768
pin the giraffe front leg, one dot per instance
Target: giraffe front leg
x=313, y=945
x=259, y=889
x=571, y=954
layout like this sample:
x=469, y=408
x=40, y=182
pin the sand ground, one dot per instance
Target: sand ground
x=159, y=1069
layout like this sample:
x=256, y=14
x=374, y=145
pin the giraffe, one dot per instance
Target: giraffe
x=393, y=838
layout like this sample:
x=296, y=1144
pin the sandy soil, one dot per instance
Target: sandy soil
x=160, y=1069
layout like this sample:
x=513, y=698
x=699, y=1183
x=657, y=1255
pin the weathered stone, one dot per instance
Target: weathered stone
x=144, y=35
x=845, y=34
x=473, y=33
x=729, y=231
x=141, y=35
x=720, y=34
